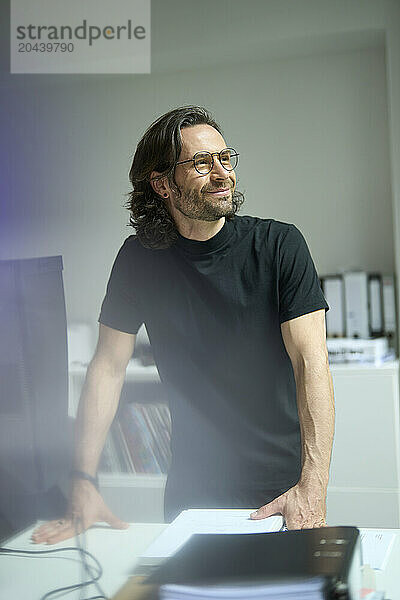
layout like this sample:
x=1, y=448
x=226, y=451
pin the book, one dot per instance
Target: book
x=142, y=438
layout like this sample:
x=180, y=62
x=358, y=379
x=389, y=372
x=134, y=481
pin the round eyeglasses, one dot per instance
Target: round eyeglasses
x=203, y=162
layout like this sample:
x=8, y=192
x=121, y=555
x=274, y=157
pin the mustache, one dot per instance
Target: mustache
x=229, y=187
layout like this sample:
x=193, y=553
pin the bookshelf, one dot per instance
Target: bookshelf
x=133, y=496
x=135, y=371
x=364, y=485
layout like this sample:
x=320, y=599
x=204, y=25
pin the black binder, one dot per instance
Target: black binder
x=329, y=553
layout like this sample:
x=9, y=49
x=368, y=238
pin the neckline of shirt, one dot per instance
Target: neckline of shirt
x=215, y=243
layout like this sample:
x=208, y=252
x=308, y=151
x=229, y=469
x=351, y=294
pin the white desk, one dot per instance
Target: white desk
x=117, y=551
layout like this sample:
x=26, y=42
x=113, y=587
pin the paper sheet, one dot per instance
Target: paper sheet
x=376, y=547
x=204, y=520
x=311, y=590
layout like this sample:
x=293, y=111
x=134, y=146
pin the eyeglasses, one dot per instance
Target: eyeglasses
x=204, y=161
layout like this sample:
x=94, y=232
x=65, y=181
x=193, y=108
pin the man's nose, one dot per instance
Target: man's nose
x=218, y=170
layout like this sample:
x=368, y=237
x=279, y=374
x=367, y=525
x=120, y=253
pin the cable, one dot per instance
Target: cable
x=69, y=588
x=84, y=566
x=83, y=552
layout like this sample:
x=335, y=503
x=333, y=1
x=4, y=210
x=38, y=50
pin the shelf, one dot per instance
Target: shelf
x=351, y=368
x=135, y=370
x=132, y=480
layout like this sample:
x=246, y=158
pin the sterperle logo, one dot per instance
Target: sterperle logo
x=85, y=31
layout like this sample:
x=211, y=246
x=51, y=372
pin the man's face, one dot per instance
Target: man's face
x=204, y=197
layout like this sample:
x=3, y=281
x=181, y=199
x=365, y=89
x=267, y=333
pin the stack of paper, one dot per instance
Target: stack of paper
x=351, y=350
x=204, y=520
x=201, y=520
x=312, y=589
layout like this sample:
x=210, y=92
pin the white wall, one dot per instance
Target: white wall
x=313, y=138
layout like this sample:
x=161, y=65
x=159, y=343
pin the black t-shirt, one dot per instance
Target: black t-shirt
x=213, y=311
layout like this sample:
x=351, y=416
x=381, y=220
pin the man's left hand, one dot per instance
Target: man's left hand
x=302, y=506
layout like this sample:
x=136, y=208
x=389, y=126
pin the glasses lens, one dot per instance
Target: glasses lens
x=229, y=159
x=203, y=162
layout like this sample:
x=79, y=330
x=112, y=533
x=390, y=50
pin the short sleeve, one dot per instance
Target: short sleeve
x=299, y=287
x=120, y=308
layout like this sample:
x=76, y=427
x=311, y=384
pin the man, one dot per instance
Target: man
x=236, y=318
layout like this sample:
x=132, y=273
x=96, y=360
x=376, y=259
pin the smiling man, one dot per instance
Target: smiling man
x=236, y=318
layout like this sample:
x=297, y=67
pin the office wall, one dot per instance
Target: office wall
x=313, y=138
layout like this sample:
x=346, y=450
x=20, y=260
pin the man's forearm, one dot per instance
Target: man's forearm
x=315, y=400
x=97, y=408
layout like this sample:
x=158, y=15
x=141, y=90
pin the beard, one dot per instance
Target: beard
x=205, y=207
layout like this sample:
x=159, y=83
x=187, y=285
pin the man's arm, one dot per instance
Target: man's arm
x=304, y=505
x=97, y=407
x=100, y=395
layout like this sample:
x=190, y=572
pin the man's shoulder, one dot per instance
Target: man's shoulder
x=130, y=253
x=262, y=226
x=131, y=241
x=131, y=246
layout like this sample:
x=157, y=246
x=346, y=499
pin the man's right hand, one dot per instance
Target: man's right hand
x=86, y=507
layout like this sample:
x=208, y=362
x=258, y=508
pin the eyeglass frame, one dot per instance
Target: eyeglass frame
x=212, y=154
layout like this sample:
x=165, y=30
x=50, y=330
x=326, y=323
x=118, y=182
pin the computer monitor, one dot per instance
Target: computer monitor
x=35, y=432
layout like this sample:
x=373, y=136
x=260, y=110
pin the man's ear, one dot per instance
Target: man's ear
x=159, y=184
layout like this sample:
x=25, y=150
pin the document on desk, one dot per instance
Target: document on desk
x=205, y=520
x=376, y=545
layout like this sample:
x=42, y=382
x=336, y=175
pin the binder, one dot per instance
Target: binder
x=356, y=301
x=375, y=304
x=330, y=556
x=389, y=307
x=332, y=286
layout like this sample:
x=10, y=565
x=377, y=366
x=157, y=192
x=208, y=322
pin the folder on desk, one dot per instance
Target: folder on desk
x=318, y=562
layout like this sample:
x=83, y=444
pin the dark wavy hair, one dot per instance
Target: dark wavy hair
x=159, y=150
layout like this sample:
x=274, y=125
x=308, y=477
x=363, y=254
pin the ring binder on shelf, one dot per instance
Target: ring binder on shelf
x=332, y=286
